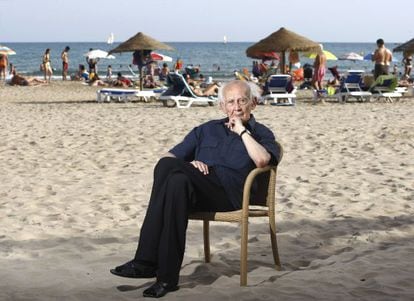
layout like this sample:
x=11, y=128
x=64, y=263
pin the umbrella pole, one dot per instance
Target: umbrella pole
x=283, y=68
x=141, y=75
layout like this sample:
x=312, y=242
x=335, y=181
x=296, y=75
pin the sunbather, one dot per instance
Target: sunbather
x=210, y=90
x=96, y=81
x=121, y=81
x=19, y=80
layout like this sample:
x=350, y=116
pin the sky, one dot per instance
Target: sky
x=205, y=20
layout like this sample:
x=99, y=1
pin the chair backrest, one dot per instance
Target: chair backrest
x=264, y=185
x=352, y=81
x=352, y=71
x=279, y=83
x=307, y=72
x=177, y=86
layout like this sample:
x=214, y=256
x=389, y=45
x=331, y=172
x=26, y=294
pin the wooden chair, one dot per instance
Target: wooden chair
x=263, y=204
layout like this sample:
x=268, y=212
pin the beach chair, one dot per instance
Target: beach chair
x=261, y=204
x=385, y=86
x=181, y=95
x=123, y=95
x=351, y=87
x=307, y=77
x=279, y=87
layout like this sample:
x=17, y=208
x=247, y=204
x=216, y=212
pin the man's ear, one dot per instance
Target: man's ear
x=255, y=101
x=222, y=107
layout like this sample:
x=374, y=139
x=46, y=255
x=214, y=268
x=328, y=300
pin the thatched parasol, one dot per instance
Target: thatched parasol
x=407, y=47
x=281, y=41
x=140, y=42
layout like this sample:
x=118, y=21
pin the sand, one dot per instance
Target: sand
x=76, y=175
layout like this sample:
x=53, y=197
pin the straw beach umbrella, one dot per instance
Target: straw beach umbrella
x=141, y=45
x=281, y=41
x=407, y=47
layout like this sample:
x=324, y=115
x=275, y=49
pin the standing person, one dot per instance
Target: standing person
x=47, y=67
x=382, y=58
x=204, y=172
x=407, y=62
x=164, y=72
x=4, y=61
x=92, y=62
x=178, y=64
x=319, y=67
x=109, y=72
x=65, y=62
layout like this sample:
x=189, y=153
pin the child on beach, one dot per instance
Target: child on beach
x=109, y=72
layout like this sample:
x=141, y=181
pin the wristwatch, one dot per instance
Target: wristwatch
x=244, y=131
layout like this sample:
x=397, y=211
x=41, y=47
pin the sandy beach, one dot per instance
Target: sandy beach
x=76, y=176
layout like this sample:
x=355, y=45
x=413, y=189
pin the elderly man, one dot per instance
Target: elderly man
x=204, y=172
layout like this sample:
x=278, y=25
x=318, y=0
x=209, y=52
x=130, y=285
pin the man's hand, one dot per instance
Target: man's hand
x=200, y=166
x=235, y=125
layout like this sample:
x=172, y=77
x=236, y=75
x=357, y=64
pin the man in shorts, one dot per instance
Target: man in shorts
x=65, y=62
x=382, y=58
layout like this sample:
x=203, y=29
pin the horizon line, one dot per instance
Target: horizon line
x=219, y=42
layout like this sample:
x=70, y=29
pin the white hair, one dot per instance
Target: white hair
x=253, y=90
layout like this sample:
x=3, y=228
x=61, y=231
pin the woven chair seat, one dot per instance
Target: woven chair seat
x=262, y=205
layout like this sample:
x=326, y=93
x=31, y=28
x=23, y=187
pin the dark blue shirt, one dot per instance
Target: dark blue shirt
x=215, y=145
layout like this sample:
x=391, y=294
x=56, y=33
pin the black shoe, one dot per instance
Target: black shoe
x=159, y=289
x=133, y=269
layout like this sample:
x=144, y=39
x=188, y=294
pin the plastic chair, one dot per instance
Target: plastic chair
x=260, y=205
x=280, y=87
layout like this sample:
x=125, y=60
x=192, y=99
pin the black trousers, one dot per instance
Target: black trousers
x=178, y=189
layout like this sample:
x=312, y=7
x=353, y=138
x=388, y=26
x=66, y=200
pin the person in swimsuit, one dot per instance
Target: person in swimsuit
x=47, y=67
x=19, y=80
x=4, y=61
x=382, y=58
x=407, y=61
x=65, y=62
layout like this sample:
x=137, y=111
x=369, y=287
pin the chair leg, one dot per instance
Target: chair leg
x=243, y=253
x=272, y=228
x=206, y=234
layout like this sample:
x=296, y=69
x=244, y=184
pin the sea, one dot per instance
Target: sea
x=216, y=59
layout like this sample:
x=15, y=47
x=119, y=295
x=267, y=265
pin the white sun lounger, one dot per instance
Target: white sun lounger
x=108, y=94
x=181, y=94
x=350, y=87
x=278, y=86
x=386, y=87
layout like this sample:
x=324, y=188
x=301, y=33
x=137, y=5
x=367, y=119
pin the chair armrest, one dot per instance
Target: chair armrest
x=249, y=182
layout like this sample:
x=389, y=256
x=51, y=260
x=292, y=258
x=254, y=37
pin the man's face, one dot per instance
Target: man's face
x=236, y=102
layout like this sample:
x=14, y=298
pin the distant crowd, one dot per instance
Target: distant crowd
x=310, y=76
